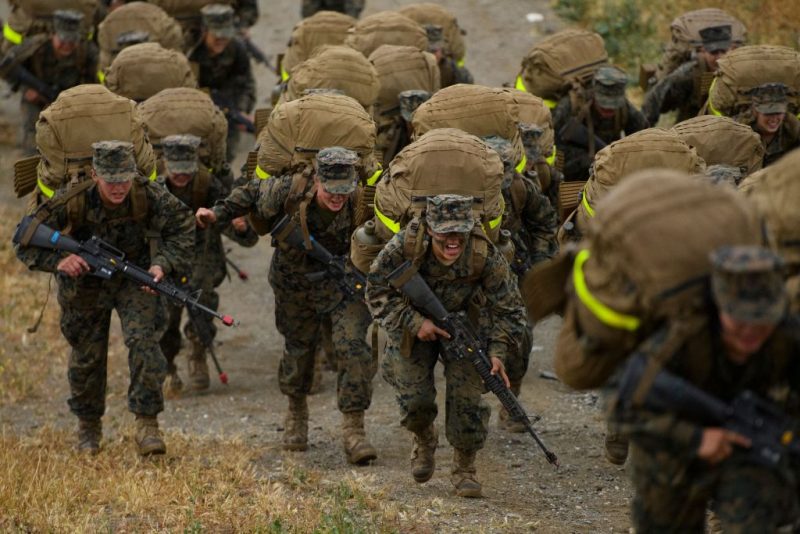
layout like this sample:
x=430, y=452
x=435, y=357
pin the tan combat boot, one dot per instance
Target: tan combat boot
x=616, y=448
x=356, y=446
x=463, y=474
x=90, y=431
x=508, y=424
x=148, y=436
x=198, y=368
x=423, y=462
x=295, y=435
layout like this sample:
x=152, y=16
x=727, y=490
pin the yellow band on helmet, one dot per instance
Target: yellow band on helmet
x=603, y=313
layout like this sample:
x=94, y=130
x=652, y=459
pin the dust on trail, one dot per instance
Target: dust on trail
x=523, y=492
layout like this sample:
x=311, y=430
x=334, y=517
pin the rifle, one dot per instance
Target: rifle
x=19, y=75
x=257, y=54
x=234, y=116
x=243, y=276
x=771, y=431
x=462, y=345
x=105, y=261
x=350, y=281
x=575, y=133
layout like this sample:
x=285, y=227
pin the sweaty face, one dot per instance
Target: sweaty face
x=215, y=44
x=768, y=123
x=743, y=339
x=112, y=194
x=448, y=247
x=63, y=48
x=179, y=180
x=329, y=201
x=711, y=58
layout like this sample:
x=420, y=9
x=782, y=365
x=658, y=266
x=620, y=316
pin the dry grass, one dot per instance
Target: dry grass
x=211, y=486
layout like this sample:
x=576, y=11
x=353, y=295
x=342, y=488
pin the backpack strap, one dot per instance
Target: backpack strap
x=200, y=187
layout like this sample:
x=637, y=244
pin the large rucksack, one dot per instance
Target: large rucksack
x=747, y=67
x=137, y=16
x=322, y=28
x=445, y=160
x=79, y=117
x=142, y=70
x=29, y=17
x=186, y=9
x=386, y=27
x=335, y=67
x=183, y=110
x=644, y=260
x=427, y=13
x=648, y=149
x=555, y=64
x=723, y=141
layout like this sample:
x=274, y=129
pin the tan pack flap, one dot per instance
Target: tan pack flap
x=720, y=140
x=321, y=28
x=25, y=175
x=402, y=68
x=140, y=71
x=686, y=28
x=428, y=13
x=182, y=9
x=386, y=27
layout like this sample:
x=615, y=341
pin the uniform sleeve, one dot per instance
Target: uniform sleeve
x=636, y=120
x=388, y=306
x=40, y=259
x=176, y=224
x=664, y=430
x=504, y=303
x=218, y=191
x=668, y=94
x=541, y=223
x=561, y=114
x=265, y=198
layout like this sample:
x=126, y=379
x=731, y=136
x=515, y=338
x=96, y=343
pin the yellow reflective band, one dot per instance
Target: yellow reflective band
x=284, y=74
x=603, y=313
x=711, y=108
x=521, y=165
x=393, y=226
x=101, y=77
x=372, y=180
x=11, y=35
x=551, y=159
x=589, y=209
x=153, y=175
x=261, y=173
x=494, y=223
x=550, y=103
x=44, y=189
x=460, y=63
x=520, y=84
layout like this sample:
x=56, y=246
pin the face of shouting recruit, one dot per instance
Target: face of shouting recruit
x=448, y=247
x=112, y=194
x=768, y=123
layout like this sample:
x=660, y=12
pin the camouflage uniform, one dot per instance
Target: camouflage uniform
x=59, y=73
x=303, y=304
x=608, y=91
x=674, y=487
x=348, y=7
x=492, y=299
x=451, y=70
x=394, y=136
x=228, y=76
x=208, y=268
x=87, y=302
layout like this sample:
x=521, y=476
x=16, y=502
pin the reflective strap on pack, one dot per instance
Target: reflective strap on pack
x=101, y=77
x=46, y=191
x=11, y=35
x=284, y=74
x=393, y=226
x=603, y=313
x=521, y=165
x=551, y=159
x=711, y=108
x=589, y=209
x=494, y=223
x=372, y=180
x=550, y=103
x=153, y=175
x=460, y=63
x=519, y=84
x=261, y=174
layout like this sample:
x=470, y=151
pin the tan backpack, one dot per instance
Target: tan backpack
x=182, y=110
x=747, y=67
x=556, y=63
x=386, y=27
x=142, y=70
x=186, y=9
x=29, y=17
x=427, y=13
x=476, y=109
x=137, y=16
x=79, y=117
x=723, y=141
x=654, y=148
x=335, y=67
x=401, y=68
x=686, y=38
x=644, y=260
x=322, y=28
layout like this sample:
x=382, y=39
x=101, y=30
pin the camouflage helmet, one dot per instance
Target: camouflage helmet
x=531, y=134
x=218, y=19
x=449, y=213
x=410, y=100
x=113, y=161
x=336, y=170
x=716, y=38
x=180, y=153
x=436, y=40
x=609, y=87
x=505, y=150
x=67, y=24
x=721, y=174
x=770, y=98
x=747, y=284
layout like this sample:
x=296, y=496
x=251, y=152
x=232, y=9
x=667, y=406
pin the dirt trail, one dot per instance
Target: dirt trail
x=523, y=492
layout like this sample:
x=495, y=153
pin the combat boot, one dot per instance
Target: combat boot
x=423, y=461
x=90, y=431
x=463, y=474
x=148, y=436
x=356, y=446
x=616, y=448
x=173, y=385
x=198, y=368
x=508, y=424
x=295, y=434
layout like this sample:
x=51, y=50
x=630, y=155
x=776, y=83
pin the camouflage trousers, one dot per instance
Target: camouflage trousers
x=86, y=306
x=517, y=364
x=301, y=323
x=466, y=415
x=673, y=494
x=171, y=340
x=348, y=7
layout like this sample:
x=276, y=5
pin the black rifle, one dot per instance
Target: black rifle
x=575, y=133
x=105, y=261
x=234, y=116
x=463, y=345
x=243, y=276
x=350, y=281
x=771, y=431
x=19, y=75
x=257, y=54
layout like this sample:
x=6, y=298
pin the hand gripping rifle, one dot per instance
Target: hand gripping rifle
x=772, y=432
x=105, y=261
x=350, y=281
x=462, y=345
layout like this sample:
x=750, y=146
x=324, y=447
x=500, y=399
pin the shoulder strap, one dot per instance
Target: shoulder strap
x=518, y=194
x=200, y=187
